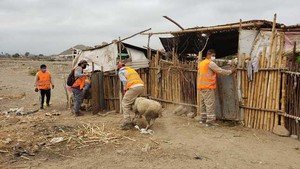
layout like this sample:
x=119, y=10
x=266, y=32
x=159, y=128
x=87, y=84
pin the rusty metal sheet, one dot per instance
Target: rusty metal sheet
x=227, y=105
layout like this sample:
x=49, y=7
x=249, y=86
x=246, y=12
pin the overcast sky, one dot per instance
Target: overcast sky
x=51, y=26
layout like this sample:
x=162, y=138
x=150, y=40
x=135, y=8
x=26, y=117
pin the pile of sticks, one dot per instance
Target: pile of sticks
x=261, y=96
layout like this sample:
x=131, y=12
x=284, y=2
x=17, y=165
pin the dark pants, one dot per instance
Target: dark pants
x=78, y=97
x=42, y=96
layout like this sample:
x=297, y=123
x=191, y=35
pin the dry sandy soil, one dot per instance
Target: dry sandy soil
x=93, y=141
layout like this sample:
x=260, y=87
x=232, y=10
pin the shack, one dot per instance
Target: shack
x=260, y=94
x=102, y=61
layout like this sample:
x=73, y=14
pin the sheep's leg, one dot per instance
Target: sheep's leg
x=149, y=124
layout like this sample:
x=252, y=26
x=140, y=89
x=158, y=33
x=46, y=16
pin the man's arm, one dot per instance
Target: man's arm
x=36, y=78
x=51, y=81
x=213, y=66
x=123, y=78
x=78, y=72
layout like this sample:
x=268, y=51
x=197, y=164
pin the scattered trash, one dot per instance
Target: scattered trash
x=20, y=152
x=56, y=140
x=7, y=141
x=52, y=114
x=197, y=157
x=3, y=151
x=144, y=131
x=18, y=111
x=48, y=114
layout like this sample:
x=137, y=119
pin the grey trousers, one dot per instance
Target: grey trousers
x=78, y=97
x=129, y=99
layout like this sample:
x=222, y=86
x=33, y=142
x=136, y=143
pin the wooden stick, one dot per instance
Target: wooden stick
x=277, y=101
x=274, y=83
x=207, y=29
x=261, y=109
x=263, y=93
x=120, y=40
x=174, y=22
x=198, y=90
x=259, y=95
x=270, y=75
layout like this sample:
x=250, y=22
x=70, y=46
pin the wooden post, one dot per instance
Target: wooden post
x=95, y=92
x=120, y=83
x=198, y=91
x=101, y=90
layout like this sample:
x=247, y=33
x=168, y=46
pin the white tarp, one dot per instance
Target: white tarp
x=246, y=41
x=107, y=57
x=138, y=59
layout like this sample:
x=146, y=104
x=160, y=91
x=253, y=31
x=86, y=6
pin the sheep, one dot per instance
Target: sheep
x=149, y=109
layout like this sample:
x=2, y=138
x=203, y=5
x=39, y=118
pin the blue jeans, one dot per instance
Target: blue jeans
x=78, y=96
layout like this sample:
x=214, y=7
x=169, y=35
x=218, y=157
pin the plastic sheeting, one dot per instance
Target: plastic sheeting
x=107, y=57
x=246, y=41
x=290, y=39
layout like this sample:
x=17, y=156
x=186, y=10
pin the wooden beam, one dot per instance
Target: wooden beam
x=208, y=29
x=174, y=22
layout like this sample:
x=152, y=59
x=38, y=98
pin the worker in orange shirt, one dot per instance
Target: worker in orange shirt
x=133, y=86
x=43, y=83
x=206, y=83
x=78, y=86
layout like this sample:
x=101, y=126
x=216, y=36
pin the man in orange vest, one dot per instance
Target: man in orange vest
x=206, y=83
x=133, y=86
x=77, y=87
x=43, y=83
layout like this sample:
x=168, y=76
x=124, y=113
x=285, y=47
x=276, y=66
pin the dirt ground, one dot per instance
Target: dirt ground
x=93, y=141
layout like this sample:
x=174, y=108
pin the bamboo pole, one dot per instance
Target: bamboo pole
x=278, y=79
x=244, y=90
x=259, y=94
x=207, y=29
x=269, y=77
x=283, y=91
x=273, y=84
x=120, y=83
x=262, y=92
x=255, y=99
x=250, y=96
x=198, y=90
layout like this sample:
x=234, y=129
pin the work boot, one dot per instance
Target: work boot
x=79, y=114
x=126, y=124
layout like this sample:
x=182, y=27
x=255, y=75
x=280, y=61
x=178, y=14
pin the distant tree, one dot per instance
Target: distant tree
x=16, y=55
x=41, y=55
x=27, y=54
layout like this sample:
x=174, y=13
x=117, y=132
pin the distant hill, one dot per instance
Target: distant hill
x=69, y=51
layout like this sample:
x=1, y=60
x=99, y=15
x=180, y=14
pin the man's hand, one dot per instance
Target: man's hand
x=52, y=86
x=233, y=70
x=36, y=89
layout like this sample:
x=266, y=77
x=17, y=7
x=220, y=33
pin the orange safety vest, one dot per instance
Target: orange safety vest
x=44, y=80
x=132, y=77
x=206, y=77
x=79, y=82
